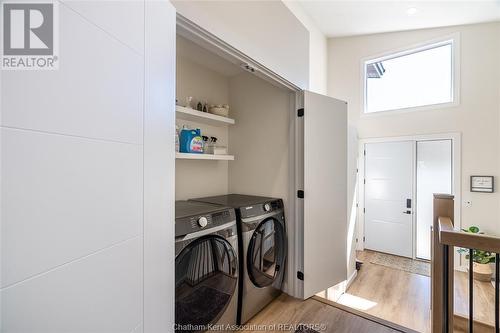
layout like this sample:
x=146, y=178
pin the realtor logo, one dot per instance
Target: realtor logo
x=29, y=38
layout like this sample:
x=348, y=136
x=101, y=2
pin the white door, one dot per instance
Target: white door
x=388, y=197
x=325, y=193
x=434, y=175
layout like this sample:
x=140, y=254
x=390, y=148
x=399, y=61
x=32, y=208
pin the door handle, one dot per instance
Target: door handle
x=407, y=212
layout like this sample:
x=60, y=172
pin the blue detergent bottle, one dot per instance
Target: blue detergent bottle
x=191, y=141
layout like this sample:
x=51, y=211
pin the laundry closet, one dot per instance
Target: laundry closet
x=256, y=133
x=242, y=129
x=233, y=136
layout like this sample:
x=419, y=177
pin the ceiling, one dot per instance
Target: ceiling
x=339, y=18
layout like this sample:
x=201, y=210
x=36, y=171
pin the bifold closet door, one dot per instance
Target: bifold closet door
x=325, y=193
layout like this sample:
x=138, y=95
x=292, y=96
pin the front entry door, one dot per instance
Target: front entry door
x=389, y=197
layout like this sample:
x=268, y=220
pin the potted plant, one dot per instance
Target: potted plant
x=482, y=260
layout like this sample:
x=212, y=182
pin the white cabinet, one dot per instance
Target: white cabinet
x=87, y=169
x=159, y=167
x=277, y=40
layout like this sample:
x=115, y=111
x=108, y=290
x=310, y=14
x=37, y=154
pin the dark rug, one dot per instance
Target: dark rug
x=201, y=307
x=305, y=329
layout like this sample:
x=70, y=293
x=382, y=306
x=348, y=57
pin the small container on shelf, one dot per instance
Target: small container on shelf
x=189, y=102
x=205, y=144
x=219, y=150
x=211, y=145
x=219, y=110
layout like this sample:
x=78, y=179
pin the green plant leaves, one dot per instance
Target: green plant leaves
x=479, y=256
x=473, y=229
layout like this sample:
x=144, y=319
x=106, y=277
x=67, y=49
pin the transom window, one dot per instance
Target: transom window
x=410, y=79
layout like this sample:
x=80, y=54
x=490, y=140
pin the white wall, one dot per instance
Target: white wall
x=72, y=145
x=195, y=178
x=200, y=82
x=477, y=116
x=261, y=142
x=277, y=39
x=260, y=137
x=318, y=49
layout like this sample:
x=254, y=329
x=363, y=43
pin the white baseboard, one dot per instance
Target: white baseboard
x=350, y=280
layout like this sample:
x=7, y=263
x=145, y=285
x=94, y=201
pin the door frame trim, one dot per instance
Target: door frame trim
x=456, y=139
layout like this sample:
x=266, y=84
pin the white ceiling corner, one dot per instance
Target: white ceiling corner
x=340, y=18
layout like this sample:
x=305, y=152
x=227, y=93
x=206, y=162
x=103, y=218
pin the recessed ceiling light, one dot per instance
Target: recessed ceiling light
x=411, y=11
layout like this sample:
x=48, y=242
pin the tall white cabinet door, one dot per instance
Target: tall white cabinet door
x=71, y=188
x=388, y=197
x=325, y=193
x=159, y=166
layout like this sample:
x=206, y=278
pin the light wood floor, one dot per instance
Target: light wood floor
x=404, y=298
x=401, y=297
x=484, y=299
x=290, y=311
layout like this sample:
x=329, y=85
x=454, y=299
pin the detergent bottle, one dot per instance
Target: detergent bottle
x=191, y=141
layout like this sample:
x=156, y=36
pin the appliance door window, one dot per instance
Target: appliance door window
x=266, y=253
x=206, y=274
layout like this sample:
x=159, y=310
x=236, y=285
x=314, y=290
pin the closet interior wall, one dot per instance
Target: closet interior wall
x=198, y=178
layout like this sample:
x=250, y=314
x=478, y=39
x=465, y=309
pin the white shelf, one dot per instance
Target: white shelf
x=211, y=157
x=202, y=117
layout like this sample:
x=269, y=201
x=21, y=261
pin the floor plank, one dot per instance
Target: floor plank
x=286, y=310
x=401, y=297
x=404, y=298
x=484, y=299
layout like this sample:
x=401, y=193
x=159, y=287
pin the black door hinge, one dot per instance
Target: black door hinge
x=364, y=239
x=364, y=210
x=300, y=194
x=300, y=112
x=300, y=276
x=364, y=152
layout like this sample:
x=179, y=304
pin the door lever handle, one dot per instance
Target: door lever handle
x=407, y=212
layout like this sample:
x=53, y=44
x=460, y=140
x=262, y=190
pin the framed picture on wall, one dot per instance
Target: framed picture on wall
x=483, y=184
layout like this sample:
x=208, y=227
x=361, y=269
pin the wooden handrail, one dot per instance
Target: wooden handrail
x=444, y=238
x=441, y=269
x=449, y=235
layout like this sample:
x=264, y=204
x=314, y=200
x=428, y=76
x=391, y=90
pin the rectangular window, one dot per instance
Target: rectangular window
x=414, y=78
